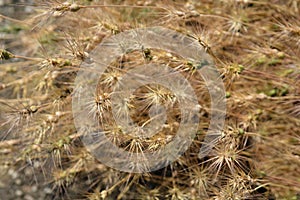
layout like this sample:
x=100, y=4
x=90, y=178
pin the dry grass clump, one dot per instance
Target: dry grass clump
x=256, y=47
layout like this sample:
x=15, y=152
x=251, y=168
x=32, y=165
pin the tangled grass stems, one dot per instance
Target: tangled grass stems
x=254, y=45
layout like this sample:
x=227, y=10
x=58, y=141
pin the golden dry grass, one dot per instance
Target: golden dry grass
x=256, y=48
